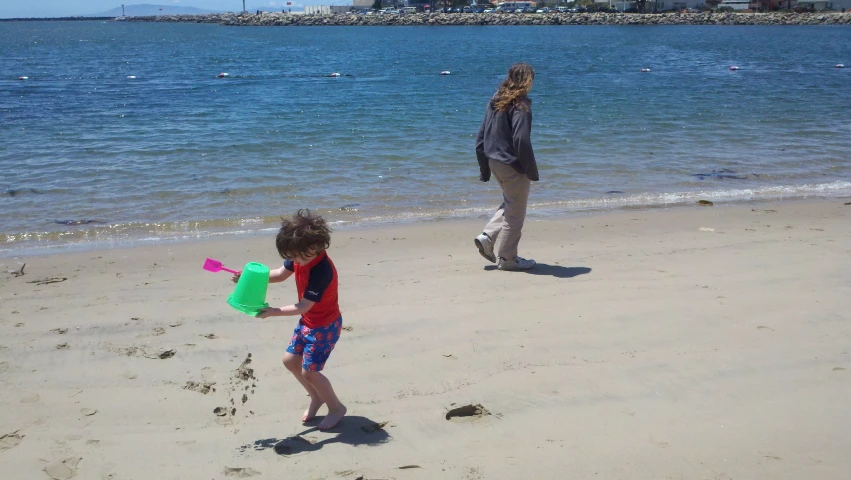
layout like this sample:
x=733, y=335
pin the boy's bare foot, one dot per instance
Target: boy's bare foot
x=310, y=413
x=333, y=418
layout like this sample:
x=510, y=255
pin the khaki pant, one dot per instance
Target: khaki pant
x=510, y=216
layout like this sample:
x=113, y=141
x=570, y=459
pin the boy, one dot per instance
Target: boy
x=302, y=242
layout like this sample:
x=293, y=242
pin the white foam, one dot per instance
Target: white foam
x=127, y=235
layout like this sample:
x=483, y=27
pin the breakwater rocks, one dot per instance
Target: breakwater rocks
x=455, y=19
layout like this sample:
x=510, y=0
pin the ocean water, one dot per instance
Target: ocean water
x=178, y=153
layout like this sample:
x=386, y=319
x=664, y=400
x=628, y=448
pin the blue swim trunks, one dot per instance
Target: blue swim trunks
x=315, y=344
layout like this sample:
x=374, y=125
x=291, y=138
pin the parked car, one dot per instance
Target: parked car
x=489, y=10
x=543, y=10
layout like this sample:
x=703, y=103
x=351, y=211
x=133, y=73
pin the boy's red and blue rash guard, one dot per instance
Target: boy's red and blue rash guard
x=317, y=282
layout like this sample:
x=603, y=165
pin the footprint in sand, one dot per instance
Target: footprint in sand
x=471, y=412
x=224, y=416
x=10, y=440
x=88, y=411
x=63, y=469
x=240, y=472
x=4, y=367
x=161, y=354
x=62, y=346
x=200, y=387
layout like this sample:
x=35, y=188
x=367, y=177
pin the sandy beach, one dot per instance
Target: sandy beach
x=685, y=343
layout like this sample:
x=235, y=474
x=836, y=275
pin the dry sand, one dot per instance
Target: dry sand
x=645, y=346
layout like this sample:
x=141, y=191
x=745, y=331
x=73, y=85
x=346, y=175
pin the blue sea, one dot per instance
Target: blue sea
x=92, y=158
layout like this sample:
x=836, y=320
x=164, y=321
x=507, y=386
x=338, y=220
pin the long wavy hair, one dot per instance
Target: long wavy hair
x=513, y=91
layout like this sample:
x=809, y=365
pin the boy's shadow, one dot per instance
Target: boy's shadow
x=352, y=430
x=552, y=270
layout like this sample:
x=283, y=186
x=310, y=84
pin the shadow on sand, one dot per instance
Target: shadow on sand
x=352, y=430
x=556, y=271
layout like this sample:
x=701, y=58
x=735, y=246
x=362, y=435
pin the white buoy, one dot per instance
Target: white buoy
x=445, y=72
x=839, y=65
x=335, y=75
x=645, y=70
x=223, y=75
x=734, y=68
x=23, y=78
x=131, y=77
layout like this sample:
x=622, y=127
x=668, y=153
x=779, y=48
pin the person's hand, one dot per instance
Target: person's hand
x=235, y=277
x=268, y=312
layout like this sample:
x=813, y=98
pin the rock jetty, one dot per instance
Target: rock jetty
x=455, y=19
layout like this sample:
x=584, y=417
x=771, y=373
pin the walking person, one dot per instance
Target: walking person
x=504, y=148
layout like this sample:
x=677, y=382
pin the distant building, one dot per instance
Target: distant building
x=735, y=4
x=367, y=4
x=326, y=10
x=818, y=5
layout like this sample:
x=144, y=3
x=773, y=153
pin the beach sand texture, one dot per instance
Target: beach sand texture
x=693, y=343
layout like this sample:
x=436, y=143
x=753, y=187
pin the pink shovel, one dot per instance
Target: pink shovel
x=211, y=265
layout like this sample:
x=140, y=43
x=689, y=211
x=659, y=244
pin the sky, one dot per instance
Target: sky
x=68, y=8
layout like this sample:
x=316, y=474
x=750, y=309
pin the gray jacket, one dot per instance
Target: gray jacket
x=505, y=137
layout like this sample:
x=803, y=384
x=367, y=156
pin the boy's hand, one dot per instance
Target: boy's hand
x=268, y=312
x=235, y=277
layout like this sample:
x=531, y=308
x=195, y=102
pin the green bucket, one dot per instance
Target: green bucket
x=249, y=296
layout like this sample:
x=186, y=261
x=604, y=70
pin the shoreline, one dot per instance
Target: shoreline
x=637, y=330
x=493, y=19
x=249, y=228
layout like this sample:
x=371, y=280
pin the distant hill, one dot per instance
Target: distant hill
x=145, y=10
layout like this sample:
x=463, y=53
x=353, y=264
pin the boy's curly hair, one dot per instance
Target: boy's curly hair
x=302, y=234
